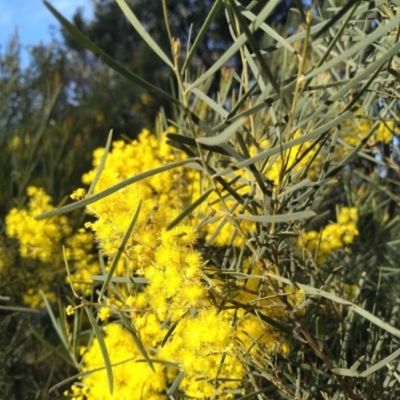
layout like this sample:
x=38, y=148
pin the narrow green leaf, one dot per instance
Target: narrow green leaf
x=250, y=111
x=300, y=185
x=225, y=148
x=219, y=63
x=267, y=29
x=222, y=137
x=76, y=377
x=232, y=176
x=330, y=296
x=231, y=151
x=363, y=8
x=357, y=363
x=171, y=391
x=345, y=372
x=353, y=153
x=375, y=35
x=107, y=59
x=255, y=47
x=277, y=218
x=327, y=163
x=260, y=179
x=211, y=103
x=353, y=83
x=320, y=331
x=257, y=69
x=170, y=331
x=113, y=189
x=53, y=349
x=139, y=344
x=101, y=165
x=254, y=395
x=188, y=210
x=333, y=42
x=121, y=279
x=162, y=362
x=393, y=243
x=242, y=100
x=278, y=149
x=121, y=249
x=241, y=40
x=224, y=221
x=54, y=321
x=142, y=32
x=383, y=363
x=72, y=379
x=310, y=367
x=103, y=348
x=181, y=147
x=202, y=32
x=76, y=336
x=227, y=186
x=69, y=273
x=20, y=309
x=308, y=195
x=338, y=16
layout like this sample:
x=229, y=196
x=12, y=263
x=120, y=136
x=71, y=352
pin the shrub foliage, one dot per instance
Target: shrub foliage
x=247, y=246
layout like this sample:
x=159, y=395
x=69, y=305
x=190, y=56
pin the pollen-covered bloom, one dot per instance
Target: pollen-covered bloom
x=70, y=310
x=41, y=244
x=104, y=313
x=385, y=132
x=78, y=194
x=334, y=236
x=168, y=301
x=39, y=239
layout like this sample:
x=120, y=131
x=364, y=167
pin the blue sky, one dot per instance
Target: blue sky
x=33, y=19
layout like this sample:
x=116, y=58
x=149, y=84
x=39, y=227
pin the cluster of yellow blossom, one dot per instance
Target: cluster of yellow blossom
x=211, y=348
x=42, y=241
x=180, y=325
x=292, y=160
x=129, y=159
x=334, y=236
x=81, y=260
x=37, y=239
x=173, y=189
x=177, y=295
x=220, y=221
x=355, y=130
x=385, y=132
x=132, y=379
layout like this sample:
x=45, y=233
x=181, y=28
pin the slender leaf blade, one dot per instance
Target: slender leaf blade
x=142, y=32
x=113, y=189
x=298, y=216
x=139, y=344
x=222, y=137
x=103, y=348
x=107, y=59
x=101, y=165
x=188, y=210
x=121, y=249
